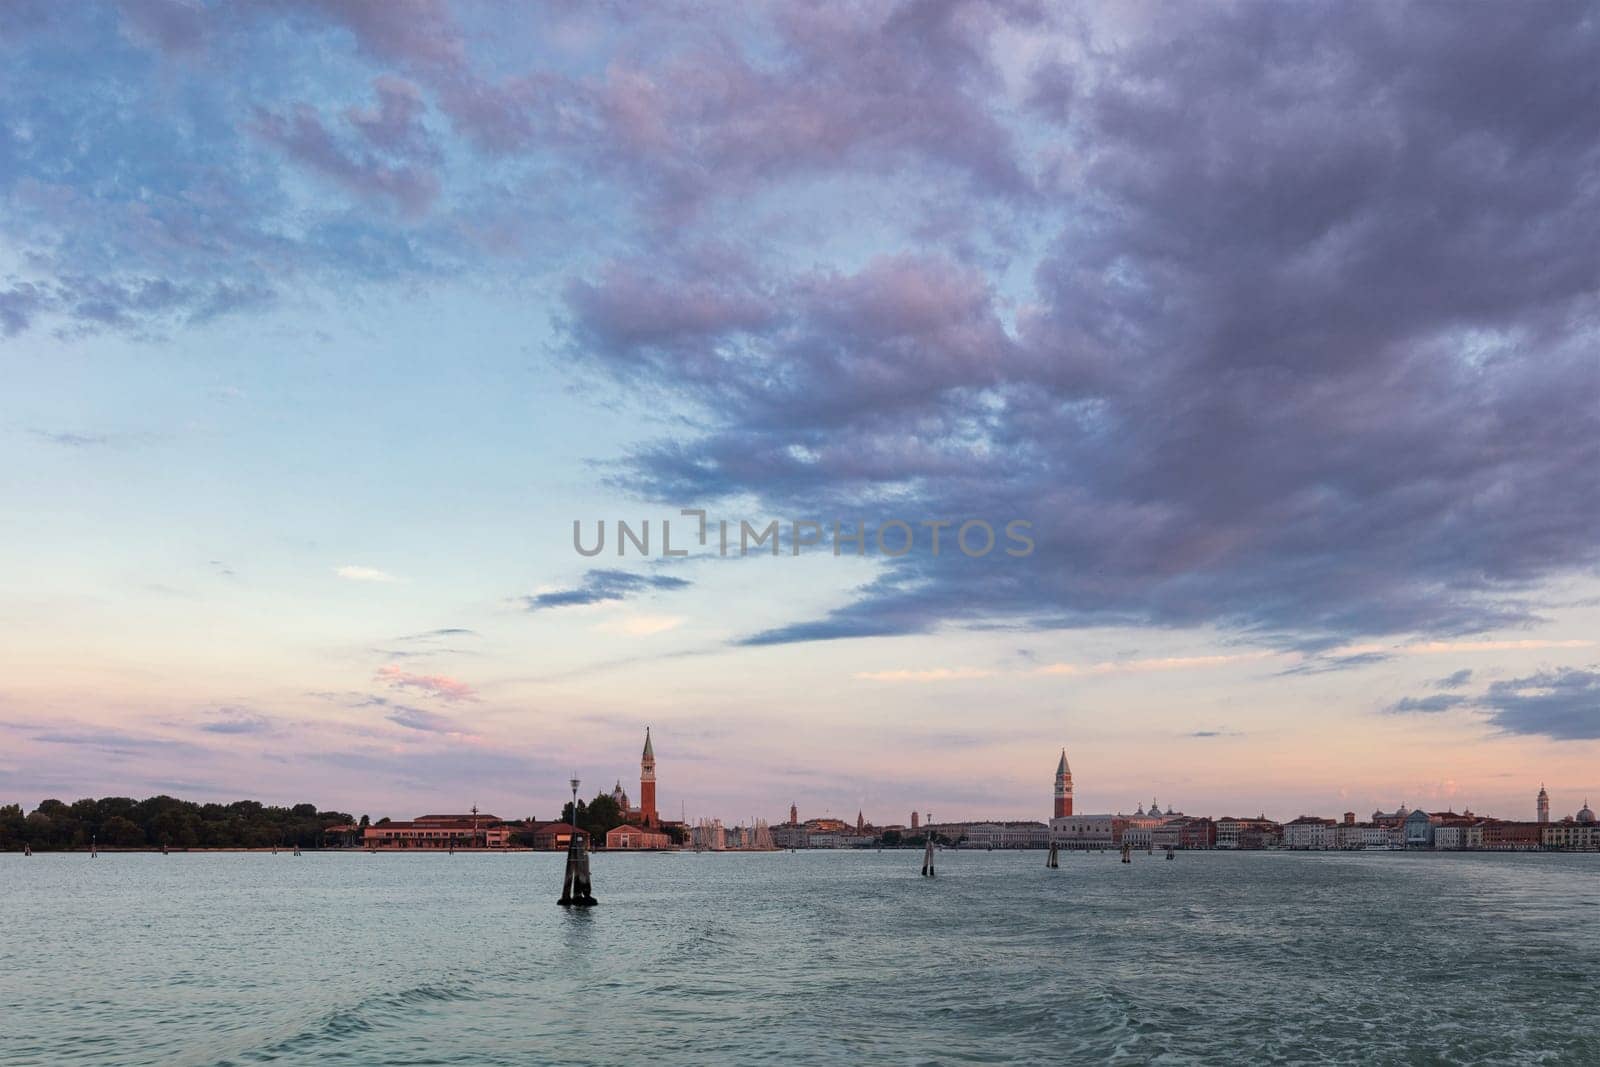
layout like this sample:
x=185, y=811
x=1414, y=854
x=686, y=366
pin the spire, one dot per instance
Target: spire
x=649, y=753
x=1062, y=768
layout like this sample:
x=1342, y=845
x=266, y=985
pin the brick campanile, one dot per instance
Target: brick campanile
x=647, y=783
x=1063, y=787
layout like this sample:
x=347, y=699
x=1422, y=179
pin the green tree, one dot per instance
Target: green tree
x=604, y=814
x=121, y=832
x=13, y=828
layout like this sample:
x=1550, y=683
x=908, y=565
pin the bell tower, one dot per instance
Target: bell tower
x=1543, y=804
x=1063, y=787
x=647, y=783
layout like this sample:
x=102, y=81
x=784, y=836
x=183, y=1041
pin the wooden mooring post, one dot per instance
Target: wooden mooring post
x=575, y=887
x=927, y=853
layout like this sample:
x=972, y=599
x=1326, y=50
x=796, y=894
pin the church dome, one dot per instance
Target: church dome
x=1585, y=814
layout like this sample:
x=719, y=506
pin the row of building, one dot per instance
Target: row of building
x=1147, y=828
x=642, y=828
x=1399, y=829
x=1444, y=830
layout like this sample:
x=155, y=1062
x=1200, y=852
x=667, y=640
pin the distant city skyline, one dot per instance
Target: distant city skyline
x=322, y=323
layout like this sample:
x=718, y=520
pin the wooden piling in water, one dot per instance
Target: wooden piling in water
x=1127, y=853
x=575, y=887
x=1053, y=861
x=927, y=853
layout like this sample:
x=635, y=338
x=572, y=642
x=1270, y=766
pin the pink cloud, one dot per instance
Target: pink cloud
x=439, y=685
x=302, y=136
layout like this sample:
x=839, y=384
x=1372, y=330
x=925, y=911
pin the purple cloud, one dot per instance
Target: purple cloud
x=600, y=586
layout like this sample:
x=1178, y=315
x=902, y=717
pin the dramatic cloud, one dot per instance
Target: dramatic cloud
x=1278, y=319
x=439, y=685
x=1310, y=356
x=1563, y=703
x=1455, y=680
x=600, y=586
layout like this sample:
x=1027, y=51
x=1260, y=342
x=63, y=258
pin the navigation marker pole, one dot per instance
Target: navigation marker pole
x=927, y=855
x=575, y=890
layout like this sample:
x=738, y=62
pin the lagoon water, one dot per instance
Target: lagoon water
x=819, y=957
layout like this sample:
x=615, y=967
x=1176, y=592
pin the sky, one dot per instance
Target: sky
x=323, y=323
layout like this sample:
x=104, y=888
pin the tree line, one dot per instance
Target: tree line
x=603, y=814
x=122, y=822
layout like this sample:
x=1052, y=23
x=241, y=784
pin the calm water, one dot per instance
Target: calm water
x=798, y=958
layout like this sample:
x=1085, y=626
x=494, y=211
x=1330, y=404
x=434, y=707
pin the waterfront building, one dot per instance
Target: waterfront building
x=1311, y=832
x=1419, y=827
x=791, y=836
x=1574, y=836
x=636, y=837
x=555, y=836
x=1087, y=831
x=1242, y=833
x=1007, y=835
x=1196, y=832
x=1506, y=836
x=473, y=830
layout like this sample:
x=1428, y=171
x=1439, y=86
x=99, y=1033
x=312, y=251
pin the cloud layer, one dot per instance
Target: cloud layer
x=1562, y=704
x=1276, y=318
